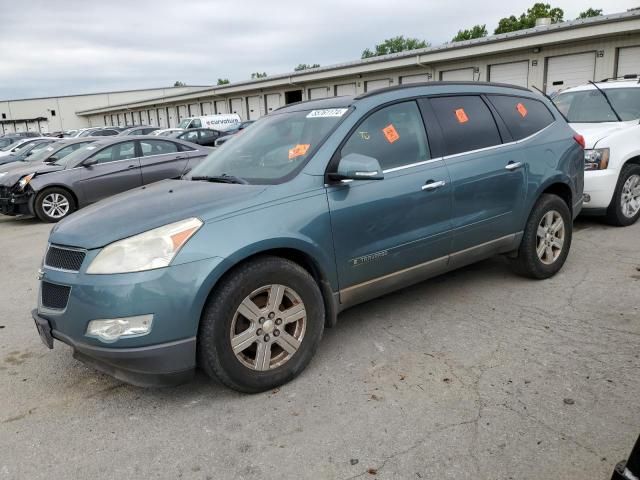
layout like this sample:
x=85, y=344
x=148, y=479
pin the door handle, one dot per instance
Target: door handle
x=511, y=166
x=132, y=166
x=431, y=185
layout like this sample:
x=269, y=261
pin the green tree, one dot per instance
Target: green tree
x=223, y=81
x=590, y=12
x=305, y=66
x=257, y=75
x=179, y=84
x=395, y=45
x=477, y=31
x=528, y=19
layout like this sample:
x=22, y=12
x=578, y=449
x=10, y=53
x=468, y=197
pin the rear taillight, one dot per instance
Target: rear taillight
x=579, y=140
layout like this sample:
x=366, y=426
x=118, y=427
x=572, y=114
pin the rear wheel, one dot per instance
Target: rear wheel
x=546, y=240
x=53, y=204
x=625, y=205
x=262, y=325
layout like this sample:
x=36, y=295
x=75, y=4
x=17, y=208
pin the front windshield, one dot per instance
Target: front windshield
x=184, y=123
x=272, y=149
x=8, y=147
x=70, y=158
x=590, y=106
x=4, y=142
x=42, y=152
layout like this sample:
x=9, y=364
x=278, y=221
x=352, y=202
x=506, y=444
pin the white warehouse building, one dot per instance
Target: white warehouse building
x=547, y=57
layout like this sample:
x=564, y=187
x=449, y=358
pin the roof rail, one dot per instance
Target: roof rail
x=436, y=83
x=628, y=76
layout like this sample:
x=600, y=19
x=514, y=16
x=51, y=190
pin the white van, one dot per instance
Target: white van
x=220, y=122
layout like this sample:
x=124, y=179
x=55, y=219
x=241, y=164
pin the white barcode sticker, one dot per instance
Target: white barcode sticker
x=327, y=112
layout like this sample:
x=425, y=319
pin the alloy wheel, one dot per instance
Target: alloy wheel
x=268, y=327
x=550, y=237
x=55, y=205
x=630, y=196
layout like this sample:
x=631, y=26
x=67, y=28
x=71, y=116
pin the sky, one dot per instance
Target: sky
x=62, y=47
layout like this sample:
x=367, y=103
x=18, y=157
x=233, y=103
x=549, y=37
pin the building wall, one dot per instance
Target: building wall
x=60, y=112
x=606, y=49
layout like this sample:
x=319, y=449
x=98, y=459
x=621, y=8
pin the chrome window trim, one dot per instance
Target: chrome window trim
x=411, y=165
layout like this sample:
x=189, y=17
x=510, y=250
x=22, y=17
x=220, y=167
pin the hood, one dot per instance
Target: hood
x=142, y=209
x=594, y=132
x=12, y=172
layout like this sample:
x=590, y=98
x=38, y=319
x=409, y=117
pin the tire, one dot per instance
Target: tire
x=53, y=204
x=254, y=284
x=617, y=214
x=546, y=213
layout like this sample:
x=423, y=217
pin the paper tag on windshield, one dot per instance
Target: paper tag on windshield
x=327, y=112
x=299, y=150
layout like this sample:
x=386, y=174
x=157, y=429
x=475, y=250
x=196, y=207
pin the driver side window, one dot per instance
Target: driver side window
x=120, y=151
x=394, y=135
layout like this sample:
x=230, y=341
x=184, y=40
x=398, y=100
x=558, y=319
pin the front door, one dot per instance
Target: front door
x=391, y=232
x=117, y=170
x=161, y=160
x=488, y=178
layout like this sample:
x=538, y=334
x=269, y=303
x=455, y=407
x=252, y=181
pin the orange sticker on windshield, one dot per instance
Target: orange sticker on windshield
x=299, y=150
x=461, y=115
x=390, y=133
x=522, y=110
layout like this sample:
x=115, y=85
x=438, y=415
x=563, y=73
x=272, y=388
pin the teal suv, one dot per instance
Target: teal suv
x=239, y=266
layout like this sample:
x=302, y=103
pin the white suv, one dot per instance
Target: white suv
x=607, y=115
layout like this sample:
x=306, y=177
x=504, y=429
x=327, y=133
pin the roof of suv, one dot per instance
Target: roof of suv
x=605, y=85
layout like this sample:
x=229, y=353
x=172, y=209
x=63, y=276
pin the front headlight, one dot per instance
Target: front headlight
x=146, y=251
x=24, y=181
x=596, y=159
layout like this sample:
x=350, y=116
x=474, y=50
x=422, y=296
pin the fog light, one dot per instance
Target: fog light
x=110, y=330
x=586, y=198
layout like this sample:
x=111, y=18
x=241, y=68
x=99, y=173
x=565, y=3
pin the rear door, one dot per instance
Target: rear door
x=161, y=159
x=207, y=137
x=489, y=180
x=117, y=170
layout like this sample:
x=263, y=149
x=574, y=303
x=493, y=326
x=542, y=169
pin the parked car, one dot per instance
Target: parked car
x=629, y=469
x=139, y=130
x=26, y=150
x=231, y=133
x=50, y=153
x=15, y=147
x=7, y=140
x=607, y=114
x=167, y=132
x=319, y=206
x=98, y=132
x=220, y=122
x=201, y=136
x=53, y=190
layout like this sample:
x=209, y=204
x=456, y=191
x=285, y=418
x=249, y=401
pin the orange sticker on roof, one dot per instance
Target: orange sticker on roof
x=299, y=150
x=390, y=133
x=522, y=110
x=461, y=115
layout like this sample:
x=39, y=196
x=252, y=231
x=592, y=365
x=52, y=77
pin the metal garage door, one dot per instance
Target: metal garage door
x=318, y=92
x=182, y=112
x=206, y=108
x=120, y=119
x=172, y=119
x=345, y=89
x=253, y=105
x=162, y=117
x=372, y=85
x=236, y=106
x=273, y=102
x=221, y=107
x=628, y=61
x=194, y=110
x=514, y=73
x=569, y=70
x=461, y=74
x=422, y=77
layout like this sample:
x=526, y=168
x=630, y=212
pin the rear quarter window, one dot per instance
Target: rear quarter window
x=523, y=116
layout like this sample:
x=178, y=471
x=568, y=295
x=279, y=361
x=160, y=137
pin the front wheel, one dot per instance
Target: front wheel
x=261, y=326
x=625, y=205
x=546, y=239
x=53, y=204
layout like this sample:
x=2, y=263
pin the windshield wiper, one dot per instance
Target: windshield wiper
x=551, y=100
x=606, y=97
x=224, y=178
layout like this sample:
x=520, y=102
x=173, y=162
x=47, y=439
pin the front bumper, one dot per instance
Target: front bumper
x=14, y=203
x=599, y=186
x=175, y=296
x=152, y=366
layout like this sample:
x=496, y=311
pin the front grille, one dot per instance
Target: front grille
x=55, y=296
x=64, y=258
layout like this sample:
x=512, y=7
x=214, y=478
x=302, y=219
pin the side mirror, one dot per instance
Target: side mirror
x=355, y=166
x=90, y=162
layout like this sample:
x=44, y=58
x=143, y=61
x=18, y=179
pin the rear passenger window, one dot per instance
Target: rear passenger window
x=467, y=123
x=523, y=116
x=394, y=135
x=157, y=147
x=119, y=151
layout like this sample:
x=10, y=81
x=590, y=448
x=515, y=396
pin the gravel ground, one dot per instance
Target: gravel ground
x=477, y=374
